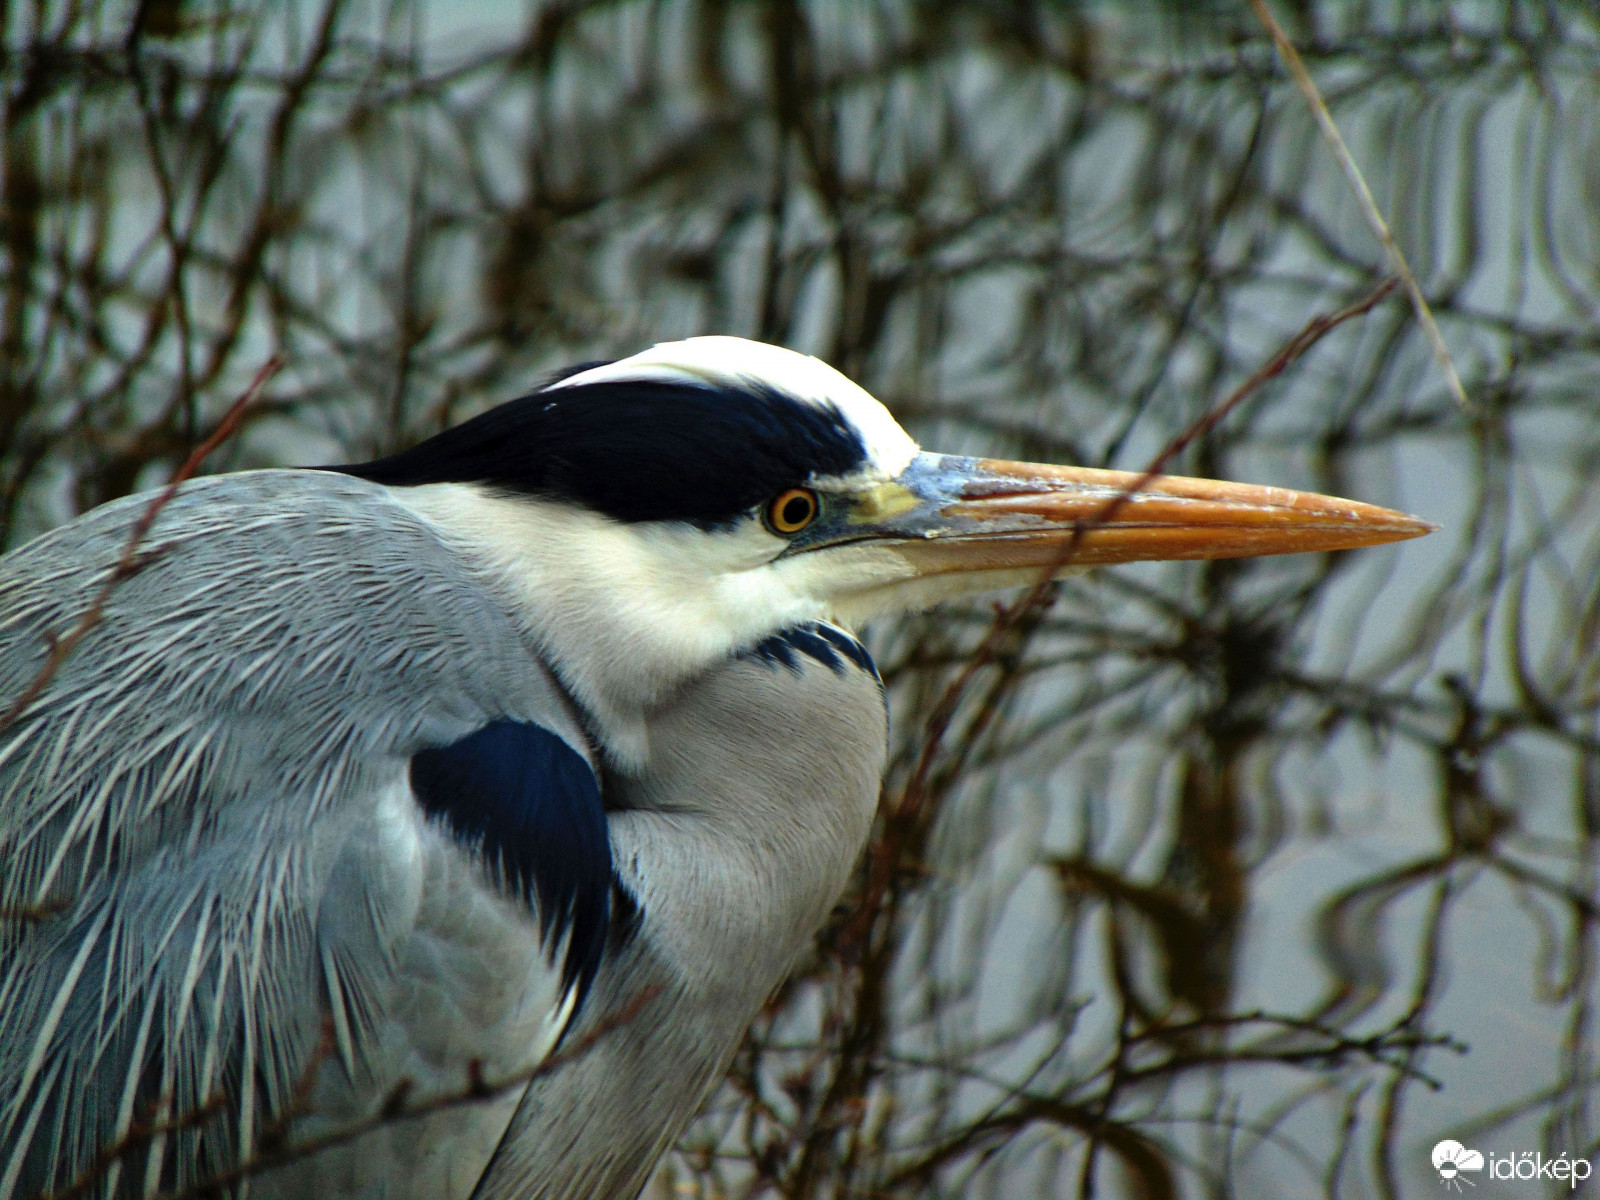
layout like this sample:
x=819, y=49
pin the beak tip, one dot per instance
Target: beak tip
x=1373, y=527
x=1403, y=526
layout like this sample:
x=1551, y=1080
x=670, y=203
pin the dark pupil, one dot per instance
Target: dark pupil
x=795, y=510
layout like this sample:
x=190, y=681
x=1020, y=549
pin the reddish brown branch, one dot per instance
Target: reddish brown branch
x=132, y=560
x=1008, y=619
x=398, y=1107
x=140, y=1134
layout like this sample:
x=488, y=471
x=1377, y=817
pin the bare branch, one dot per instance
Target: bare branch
x=1369, y=206
x=399, y=1107
x=132, y=560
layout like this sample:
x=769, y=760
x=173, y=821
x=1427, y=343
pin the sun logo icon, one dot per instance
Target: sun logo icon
x=1450, y=1158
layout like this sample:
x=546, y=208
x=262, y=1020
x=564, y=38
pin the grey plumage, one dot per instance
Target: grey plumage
x=206, y=817
x=219, y=827
x=743, y=877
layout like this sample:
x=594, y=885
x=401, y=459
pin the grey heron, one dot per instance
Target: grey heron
x=453, y=753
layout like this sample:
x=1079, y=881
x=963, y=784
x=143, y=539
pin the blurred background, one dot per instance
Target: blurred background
x=1229, y=879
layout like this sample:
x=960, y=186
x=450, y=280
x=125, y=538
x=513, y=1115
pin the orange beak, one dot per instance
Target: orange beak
x=949, y=514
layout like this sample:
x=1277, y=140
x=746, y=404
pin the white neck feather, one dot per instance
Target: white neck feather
x=624, y=613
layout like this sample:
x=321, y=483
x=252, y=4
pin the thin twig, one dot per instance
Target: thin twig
x=1369, y=207
x=139, y=1135
x=1007, y=618
x=907, y=815
x=276, y=1134
x=397, y=1106
x=131, y=561
x=34, y=913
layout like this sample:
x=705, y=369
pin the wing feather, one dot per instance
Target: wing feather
x=211, y=843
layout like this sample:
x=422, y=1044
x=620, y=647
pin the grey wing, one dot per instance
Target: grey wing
x=212, y=853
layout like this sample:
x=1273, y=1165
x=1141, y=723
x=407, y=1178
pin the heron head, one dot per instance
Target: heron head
x=658, y=512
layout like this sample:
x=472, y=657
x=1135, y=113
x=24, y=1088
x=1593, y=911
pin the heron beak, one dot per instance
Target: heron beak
x=947, y=514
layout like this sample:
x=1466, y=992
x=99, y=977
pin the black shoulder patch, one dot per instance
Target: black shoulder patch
x=830, y=646
x=638, y=450
x=530, y=805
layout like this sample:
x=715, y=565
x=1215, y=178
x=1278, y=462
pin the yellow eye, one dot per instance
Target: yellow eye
x=792, y=511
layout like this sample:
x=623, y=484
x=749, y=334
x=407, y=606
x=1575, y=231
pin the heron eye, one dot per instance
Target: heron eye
x=792, y=511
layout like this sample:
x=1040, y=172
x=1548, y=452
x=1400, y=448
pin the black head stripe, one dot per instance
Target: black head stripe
x=638, y=450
